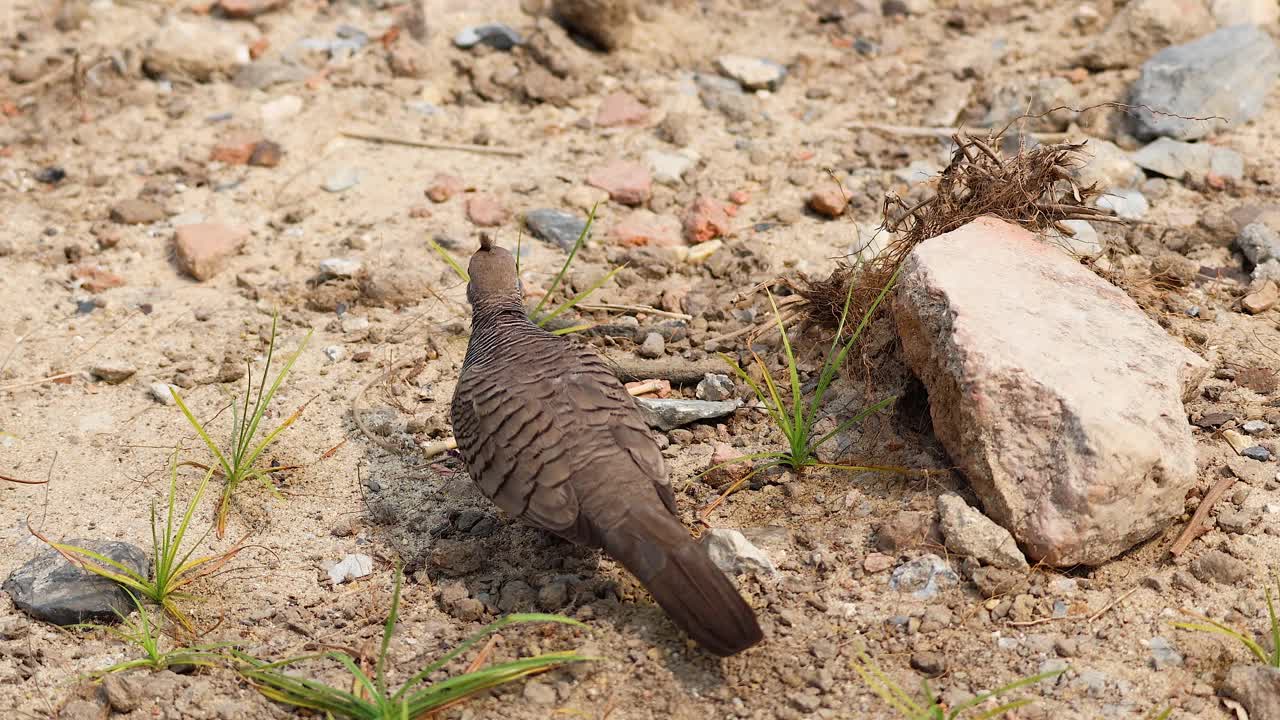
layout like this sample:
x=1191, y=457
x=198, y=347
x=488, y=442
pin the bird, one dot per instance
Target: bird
x=553, y=438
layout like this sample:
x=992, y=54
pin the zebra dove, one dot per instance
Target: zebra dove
x=551, y=436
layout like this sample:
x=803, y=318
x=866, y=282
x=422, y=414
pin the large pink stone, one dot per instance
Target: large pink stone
x=1054, y=393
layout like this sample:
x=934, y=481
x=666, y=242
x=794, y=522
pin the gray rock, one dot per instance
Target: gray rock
x=726, y=96
x=50, y=589
x=1227, y=73
x=495, y=35
x=1253, y=427
x=266, y=73
x=714, y=387
x=1028, y=103
x=1259, y=243
x=1163, y=655
x=516, y=595
x=668, y=414
x=1219, y=567
x=997, y=582
x=1175, y=159
x=652, y=347
x=1257, y=452
x=553, y=596
x=923, y=577
x=123, y=692
x=1129, y=204
x=1237, y=521
x=344, y=178
x=733, y=553
x=970, y=533
x=752, y=73
x=557, y=227
x=1257, y=688
x=1108, y=166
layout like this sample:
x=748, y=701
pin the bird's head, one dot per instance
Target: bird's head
x=493, y=274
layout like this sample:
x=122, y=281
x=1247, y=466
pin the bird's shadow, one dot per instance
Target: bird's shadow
x=440, y=524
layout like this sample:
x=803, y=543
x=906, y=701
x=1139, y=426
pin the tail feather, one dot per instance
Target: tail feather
x=694, y=592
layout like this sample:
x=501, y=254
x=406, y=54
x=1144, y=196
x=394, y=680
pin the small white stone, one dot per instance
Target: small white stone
x=352, y=567
x=335, y=353
x=281, y=109
x=340, y=267
x=163, y=392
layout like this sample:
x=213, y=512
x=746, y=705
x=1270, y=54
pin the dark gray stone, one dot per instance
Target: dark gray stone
x=557, y=227
x=1257, y=452
x=495, y=35
x=50, y=589
x=1227, y=73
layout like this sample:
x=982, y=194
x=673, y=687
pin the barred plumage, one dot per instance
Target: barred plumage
x=551, y=436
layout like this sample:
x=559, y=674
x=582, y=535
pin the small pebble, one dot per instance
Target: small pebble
x=342, y=179
x=1257, y=452
x=163, y=393
x=1253, y=427
x=652, y=347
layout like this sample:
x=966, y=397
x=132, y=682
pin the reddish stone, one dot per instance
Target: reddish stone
x=202, y=249
x=236, y=148
x=486, y=210
x=705, y=220
x=739, y=197
x=626, y=182
x=1262, y=299
x=259, y=47
x=95, y=278
x=722, y=470
x=266, y=154
x=828, y=202
x=621, y=108
x=444, y=186
x=643, y=227
x=248, y=8
x=418, y=212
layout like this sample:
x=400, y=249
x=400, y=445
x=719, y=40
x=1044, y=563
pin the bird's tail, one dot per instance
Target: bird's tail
x=657, y=549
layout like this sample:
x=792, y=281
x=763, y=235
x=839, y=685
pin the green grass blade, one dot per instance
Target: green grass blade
x=487, y=630
x=456, y=688
x=387, y=631
x=572, y=302
x=265, y=400
x=573, y=328
x=213, y=447
x=799, y=422
x=1005, y=689
x=884, y=688
x=1001, y=710
x=1220, y=629
x=444, y=255
x=1275, y=629
x=780, y=415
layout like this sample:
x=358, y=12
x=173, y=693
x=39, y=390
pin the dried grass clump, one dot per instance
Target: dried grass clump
x=1033, y=188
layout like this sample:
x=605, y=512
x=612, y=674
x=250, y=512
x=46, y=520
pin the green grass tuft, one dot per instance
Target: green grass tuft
x=1261, y=654
x=236, y=462
x=374, y=700
x=928, y=707
x=172, y=570
x=142, y=634
x=797, y=418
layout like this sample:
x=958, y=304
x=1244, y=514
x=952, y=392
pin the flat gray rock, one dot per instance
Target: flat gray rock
x=1226, y=73
x=1056, y=394
x=50, y=589
x=669, y=414
x=1176, y=159
x=557, y=227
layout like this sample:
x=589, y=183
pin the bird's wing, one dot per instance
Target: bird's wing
x=527, y=436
